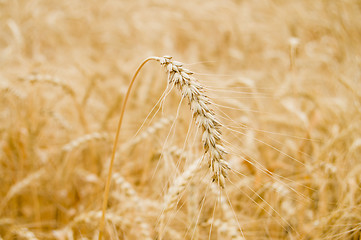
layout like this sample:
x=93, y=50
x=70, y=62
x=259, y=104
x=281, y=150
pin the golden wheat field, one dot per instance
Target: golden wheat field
x=244, y=122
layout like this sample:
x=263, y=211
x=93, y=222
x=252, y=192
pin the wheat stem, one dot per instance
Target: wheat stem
x=107, y=184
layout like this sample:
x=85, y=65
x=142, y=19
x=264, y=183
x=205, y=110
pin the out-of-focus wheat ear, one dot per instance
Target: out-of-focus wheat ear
x=179, y=185
x=21, y=185
x=45, y=78
x=9, y=89
x=151, y=130
x=177, y=188
x=93, y=216
x=228, y=225
x=25, y=233
x=144, y=228
x=177, y=152
x=349, y=86
x=200, y=106
x=76, y=143
x=193, y=210
x=64, y=233
x=127, y=189
x=60, y=120
x=96, y=136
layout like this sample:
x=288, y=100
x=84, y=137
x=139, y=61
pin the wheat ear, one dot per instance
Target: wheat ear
x=40, y=78
x=202, y=113
x=96, y=136
x=20, y=186
x=204, y=116
x=131, y=195
x=179, y=185
x=171, y=198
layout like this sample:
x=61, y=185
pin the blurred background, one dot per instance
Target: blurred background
x=284, y=78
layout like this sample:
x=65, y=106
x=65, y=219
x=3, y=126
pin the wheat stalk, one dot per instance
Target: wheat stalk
x=204, y=116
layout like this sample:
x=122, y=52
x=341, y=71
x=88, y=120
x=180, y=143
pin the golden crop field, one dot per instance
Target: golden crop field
x=243, y=123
